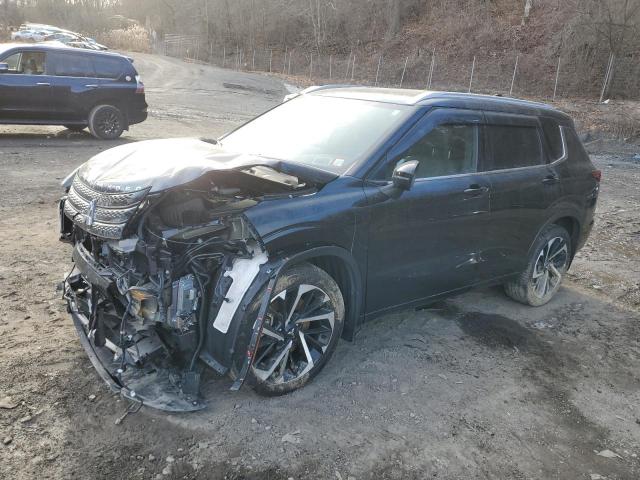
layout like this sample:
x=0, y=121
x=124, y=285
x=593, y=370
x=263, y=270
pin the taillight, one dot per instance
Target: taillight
x=139, y=85
x=597, y=174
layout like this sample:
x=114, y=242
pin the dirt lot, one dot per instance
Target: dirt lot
x=474, y=387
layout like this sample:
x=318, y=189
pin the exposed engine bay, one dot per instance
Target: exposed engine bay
x=158, y=277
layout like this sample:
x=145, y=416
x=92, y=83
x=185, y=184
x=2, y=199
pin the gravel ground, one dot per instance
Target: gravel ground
x=473, y=387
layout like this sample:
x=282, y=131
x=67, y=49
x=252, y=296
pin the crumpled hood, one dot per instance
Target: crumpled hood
x=158, y=164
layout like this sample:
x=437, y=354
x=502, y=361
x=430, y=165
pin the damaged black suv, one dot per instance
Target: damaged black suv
x=251, y=256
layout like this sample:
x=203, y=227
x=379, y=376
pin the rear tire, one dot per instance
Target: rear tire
x=292, y=351
x=106, y=122
x=549, y=261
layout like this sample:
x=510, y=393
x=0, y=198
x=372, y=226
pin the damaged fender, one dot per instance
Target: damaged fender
x=241, y=340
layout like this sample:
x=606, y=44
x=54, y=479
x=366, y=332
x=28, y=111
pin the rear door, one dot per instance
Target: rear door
x=75, y=86
x=523, y=187
x=25, y=89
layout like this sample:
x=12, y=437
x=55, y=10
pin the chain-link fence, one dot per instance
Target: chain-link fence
x=516, y=74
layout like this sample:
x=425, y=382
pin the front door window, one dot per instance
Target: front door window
x=26, y=63
x=445, y=150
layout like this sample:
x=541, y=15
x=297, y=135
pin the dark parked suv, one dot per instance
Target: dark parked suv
x=56, y=85
x=253, y=255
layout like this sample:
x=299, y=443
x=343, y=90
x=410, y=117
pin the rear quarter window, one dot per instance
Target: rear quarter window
x=552, y=134
x=106, y=67
x=576, y=150
x=513, y=147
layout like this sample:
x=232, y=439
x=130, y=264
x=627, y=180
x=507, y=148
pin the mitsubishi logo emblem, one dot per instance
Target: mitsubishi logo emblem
x=91, y=213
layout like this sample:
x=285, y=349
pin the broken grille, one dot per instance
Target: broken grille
x=104, y=214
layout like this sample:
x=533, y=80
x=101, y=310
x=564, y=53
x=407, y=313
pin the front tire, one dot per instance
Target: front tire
x=301, y=330
x=549, y=261
x=106, y=122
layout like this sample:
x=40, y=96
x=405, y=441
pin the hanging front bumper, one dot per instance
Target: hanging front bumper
x=153, y=386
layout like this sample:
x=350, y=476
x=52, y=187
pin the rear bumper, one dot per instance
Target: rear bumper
x=588, y=219
x=584, y=234
x=137, y=115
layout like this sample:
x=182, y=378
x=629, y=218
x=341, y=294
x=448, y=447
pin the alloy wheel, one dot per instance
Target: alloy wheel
x=549, y=267
x=108, y=123
x=297, y=331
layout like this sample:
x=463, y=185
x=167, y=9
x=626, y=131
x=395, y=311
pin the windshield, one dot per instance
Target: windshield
x=324, y=132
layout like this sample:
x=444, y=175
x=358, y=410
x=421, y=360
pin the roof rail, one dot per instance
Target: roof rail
x=497, y=97
x=316, y=88
x=424, y=95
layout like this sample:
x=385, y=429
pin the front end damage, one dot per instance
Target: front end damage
x=162, y=281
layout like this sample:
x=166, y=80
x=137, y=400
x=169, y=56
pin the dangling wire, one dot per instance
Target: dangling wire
x=122, y=332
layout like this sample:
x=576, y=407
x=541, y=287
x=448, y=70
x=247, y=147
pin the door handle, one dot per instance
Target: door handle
x=91, y=86
x=43, y=84
x=550, y=179
x=475, y=189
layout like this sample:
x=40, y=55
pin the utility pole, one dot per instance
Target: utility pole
x=555, y=86
x=433, y=64
x=403, y=71
x=473, y=67
x=378, y=70
x=513, y=78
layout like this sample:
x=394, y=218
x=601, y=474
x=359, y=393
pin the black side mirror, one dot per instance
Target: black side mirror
x=404, y=175
x=4, y=67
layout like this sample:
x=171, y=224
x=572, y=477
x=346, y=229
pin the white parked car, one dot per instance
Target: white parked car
x=37, y=32
x=62, y=37
x=29, y=35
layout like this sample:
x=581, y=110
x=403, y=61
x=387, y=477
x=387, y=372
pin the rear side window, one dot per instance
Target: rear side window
x=551, y=131
x=513, y=147
x=108, y=67
x=71, y=65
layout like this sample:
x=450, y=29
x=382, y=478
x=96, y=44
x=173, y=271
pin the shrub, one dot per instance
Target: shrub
x=132, y=39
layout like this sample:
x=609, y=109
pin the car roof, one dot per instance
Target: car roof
x=433, y=98
x=55, y=47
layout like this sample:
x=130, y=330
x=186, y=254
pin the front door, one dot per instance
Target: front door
x=25, y=89
x=429, y=240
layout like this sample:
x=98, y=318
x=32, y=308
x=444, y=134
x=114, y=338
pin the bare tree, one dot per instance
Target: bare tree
x=528, y=4
x=613, y=22
x=393, y=18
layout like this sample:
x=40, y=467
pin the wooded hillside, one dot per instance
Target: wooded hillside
x=579, y=35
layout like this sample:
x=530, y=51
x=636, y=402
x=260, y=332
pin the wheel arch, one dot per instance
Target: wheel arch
x=572, y=225
x=226, y=351
x=342, y=267
x=567, y=220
